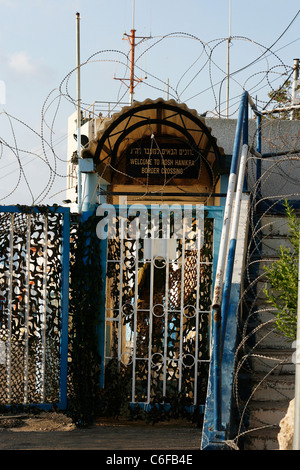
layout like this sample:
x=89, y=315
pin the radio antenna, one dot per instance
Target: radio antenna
x=131, y=38
x=228, y=58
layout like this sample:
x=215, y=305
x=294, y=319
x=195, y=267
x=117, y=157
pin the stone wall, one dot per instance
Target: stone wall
x=286, y=434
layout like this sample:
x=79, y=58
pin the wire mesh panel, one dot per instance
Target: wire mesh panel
x=158, y=297
x=31, y=286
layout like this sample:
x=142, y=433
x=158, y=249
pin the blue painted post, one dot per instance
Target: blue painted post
x=216, y=305
x=90, y=188
x=245, y=122
x=246, y=135
x=232, y=244
x=241, y=186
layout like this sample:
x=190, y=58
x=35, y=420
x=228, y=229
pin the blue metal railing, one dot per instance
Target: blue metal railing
x=217, y=299
x=237, y=184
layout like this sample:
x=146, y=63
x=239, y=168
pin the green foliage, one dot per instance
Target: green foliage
x=282, y=97
x=282, y=276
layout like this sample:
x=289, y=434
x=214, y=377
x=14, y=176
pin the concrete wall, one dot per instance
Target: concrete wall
x=280, y=175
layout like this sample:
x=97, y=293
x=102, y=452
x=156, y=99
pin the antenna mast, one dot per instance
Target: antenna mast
x=295, y=87
x=228, y=46
x=132, y=80
x=79, y=189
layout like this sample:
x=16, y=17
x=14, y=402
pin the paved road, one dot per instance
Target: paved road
x=106, y=437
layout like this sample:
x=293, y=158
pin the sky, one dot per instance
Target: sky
x=181, y=53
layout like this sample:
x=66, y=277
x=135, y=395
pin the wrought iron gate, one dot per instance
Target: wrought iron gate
x=34, y=276
x=157, y=313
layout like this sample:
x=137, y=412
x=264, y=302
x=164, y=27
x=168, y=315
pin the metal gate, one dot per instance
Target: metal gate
x=34, y=276
x=158, y=299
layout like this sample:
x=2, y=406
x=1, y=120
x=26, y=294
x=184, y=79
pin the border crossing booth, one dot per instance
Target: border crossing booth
x=159, y=222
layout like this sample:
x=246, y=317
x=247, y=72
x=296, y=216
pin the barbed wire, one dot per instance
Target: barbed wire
x=202, y=61
x=262, y=352
x=278, y=180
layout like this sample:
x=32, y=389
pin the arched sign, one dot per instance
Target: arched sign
x=158, y=142
x=162, y=157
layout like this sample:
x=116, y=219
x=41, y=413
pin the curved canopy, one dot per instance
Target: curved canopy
x=155, y=140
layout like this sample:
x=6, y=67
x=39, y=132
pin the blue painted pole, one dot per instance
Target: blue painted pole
x=232, y=244
x=246, y=134
x=241, y=186
x=89, y=193
x=245, y=122
x=216, y=305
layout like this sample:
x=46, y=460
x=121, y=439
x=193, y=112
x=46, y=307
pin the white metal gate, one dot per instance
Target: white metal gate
x=158, y=297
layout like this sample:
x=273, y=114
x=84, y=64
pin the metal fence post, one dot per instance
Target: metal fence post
x=216, y=304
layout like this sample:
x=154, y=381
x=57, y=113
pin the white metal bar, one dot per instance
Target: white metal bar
x=239, y=193
x=223, y=242
x=166, y=321
x=121, y=237
x=11, y=260
x=295, y=87
x=27, y=287
x=280, y=110
x=150, y=315
x=135, y=320
x=197, y=311
x=181, y=304
x=232, y=240
x=105, y=316
x=44, y=319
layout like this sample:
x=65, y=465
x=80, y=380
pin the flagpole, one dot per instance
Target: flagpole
x=78, y=110
x=228, y=58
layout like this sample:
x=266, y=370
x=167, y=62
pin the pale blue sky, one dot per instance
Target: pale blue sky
x=38, y=50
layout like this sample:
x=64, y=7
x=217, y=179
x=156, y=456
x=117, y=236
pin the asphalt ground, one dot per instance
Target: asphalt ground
x=117, y=437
